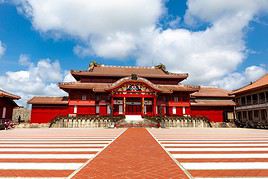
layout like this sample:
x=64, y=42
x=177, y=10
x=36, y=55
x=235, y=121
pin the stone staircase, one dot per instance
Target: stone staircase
x=133, y=118
x=137, y=123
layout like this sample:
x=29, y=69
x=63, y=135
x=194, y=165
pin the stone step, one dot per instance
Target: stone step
x=133, y=118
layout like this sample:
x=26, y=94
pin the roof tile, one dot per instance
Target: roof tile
x=213, y=103
x=211, y=92
x=48, y=100
x=123, y=71
x=8, y=95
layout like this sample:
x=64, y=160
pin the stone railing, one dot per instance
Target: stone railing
x=168, y=122
x=85, y=121
x=264, y=105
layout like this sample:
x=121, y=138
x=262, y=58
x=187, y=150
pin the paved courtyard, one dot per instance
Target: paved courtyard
x=217, y=153
x=134, y=153
x=50, y=152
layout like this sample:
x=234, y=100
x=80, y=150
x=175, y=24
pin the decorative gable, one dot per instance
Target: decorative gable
x=133, y=88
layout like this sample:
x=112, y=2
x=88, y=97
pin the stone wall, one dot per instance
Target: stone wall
x=23, y=113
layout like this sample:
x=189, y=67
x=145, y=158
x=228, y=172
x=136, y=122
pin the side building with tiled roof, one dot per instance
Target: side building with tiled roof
x=252, y=103
x=7, y=104
x=214, y=103
x=119, y=90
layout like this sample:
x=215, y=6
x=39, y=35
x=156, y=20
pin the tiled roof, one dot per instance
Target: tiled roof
x=211, y=92
x=123, y=71
x=97, y=87
x=8, y=95
x=178, y=87
x=102, y=87
x=213, y=103
x=260, y=83
x=48, y=100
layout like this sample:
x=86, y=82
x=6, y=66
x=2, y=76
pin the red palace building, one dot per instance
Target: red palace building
x=122, y=90
x=7, y=105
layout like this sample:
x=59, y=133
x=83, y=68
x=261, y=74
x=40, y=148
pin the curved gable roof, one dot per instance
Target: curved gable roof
x=129, y=80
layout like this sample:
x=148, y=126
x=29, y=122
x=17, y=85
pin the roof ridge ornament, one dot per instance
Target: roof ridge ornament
x=92, y=65
x=161, y=66
x=134, y=76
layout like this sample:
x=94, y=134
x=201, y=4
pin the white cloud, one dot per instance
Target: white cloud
x=118, y=45
x=214, y=10
x=38, y=79
x=84, y=18
x=209, y=54
x=107, y=28
x=254, y=72
x=200, y=53
x=68, y=77
x=24, y=60
x=237, y=80
x=123, y=28
x=2, y=49
x=175, y=22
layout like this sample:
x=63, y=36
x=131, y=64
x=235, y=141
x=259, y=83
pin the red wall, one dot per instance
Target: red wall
x=44, y=114
x=187, y=110
x=179, y=111
x=103, y=110
x=90, y=110
x=213, y=114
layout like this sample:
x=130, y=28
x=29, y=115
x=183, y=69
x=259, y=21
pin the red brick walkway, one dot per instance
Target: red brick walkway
x=135, y=154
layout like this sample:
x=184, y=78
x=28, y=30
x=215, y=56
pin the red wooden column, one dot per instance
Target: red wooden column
x=112, y=105
x=124, y=105
x=154, y=106
x=142, y=106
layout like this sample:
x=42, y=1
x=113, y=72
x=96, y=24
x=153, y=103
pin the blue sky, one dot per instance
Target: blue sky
x=187, y=36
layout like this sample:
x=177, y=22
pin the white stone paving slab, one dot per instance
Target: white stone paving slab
x=55, y=139
x=214, y=141
x=52, y=145
x=33, y=177
x=226, y=166
x=50, y=149
x=40, y=166
x=46, y=156
x=215, y=149
x=220, y=156
x=231, y=178
x=209, y=140
x=212, y=145
x=56, y=142
x=71, y=137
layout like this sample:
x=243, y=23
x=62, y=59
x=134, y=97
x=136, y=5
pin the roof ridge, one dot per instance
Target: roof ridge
x=207, y=86
x=122, y=66
x=251, y=83
x=49, y=96
x=9, y=94
x=259, y=79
